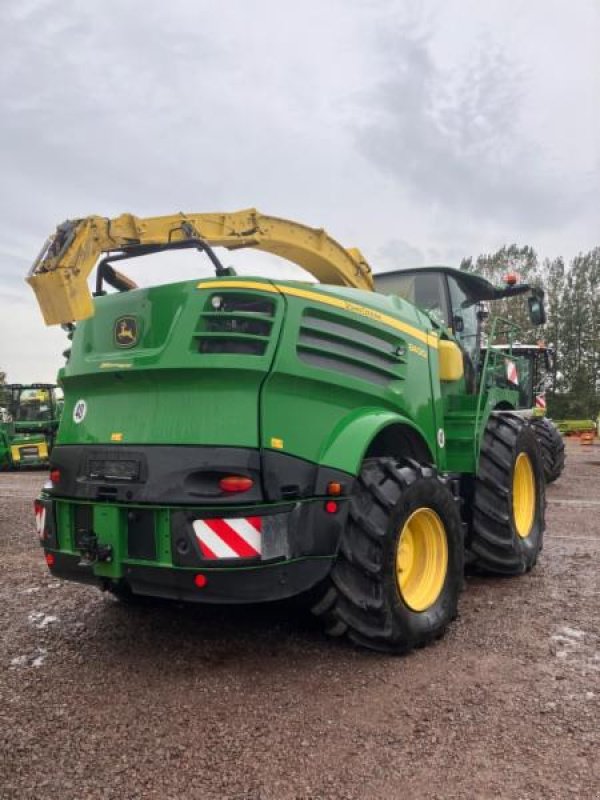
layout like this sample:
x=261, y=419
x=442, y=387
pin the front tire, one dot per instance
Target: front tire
x=509, y=502
x=399, y=571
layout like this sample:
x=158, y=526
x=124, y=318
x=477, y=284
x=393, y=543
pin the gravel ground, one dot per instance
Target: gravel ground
x=102, y=701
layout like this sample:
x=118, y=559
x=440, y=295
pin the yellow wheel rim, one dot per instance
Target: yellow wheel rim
x=523, y=495
x=421, y=559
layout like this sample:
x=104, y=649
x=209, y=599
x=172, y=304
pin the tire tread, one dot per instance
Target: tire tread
x=355, y=603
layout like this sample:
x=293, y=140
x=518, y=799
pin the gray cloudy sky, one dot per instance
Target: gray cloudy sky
x=419, y=131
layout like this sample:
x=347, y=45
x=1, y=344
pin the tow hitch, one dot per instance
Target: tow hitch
x=92, y=551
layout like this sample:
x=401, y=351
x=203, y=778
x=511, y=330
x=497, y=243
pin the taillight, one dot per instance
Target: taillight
x=55, y=475
x=236, y=483
x=331, y=507
x=200, y=580
x=50, y=560
x=38, y=507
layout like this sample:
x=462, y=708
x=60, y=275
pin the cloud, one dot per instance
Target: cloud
x=28, y=350
x=454, y=135
x=396, y=254
x=419, y=145
x=141, y=107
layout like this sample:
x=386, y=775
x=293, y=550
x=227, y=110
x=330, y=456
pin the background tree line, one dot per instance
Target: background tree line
x=572, y=298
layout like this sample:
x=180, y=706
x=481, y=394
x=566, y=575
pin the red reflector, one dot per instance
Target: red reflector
x=55, y=475
x=236, y=483
x=200, y=581
x=38, y=507
x=50, y=560
x=331, y=506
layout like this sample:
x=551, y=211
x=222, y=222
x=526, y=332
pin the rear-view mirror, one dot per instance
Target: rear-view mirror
x=537, y=313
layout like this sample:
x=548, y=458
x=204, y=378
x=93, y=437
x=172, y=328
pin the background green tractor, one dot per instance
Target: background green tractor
x=535, y=367
x=5, y=429
x=30, y=415
x=248, y=439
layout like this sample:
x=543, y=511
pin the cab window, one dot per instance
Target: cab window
x=463, y=318
x=423, y=289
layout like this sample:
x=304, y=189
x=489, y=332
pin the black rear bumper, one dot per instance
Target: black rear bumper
x=256, y=584
x=190, y=554
x=141, y=514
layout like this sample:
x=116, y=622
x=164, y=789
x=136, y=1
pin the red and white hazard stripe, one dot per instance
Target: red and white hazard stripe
x=540, y=401
x=229, y=538
x=40, y=519
x=511, y=372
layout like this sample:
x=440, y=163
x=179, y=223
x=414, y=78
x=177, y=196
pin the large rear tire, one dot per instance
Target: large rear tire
x=399, y=571
x=552, y=447
x=509, y=502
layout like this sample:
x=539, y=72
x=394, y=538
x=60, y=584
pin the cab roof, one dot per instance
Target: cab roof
x=475, y=287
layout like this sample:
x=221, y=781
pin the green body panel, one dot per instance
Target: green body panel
x=461, y=436
x=64, y=523
x=108, y=526
x=331, y=368
x=308, y=406
x=349, y=440
x=465, y=420
x=158, y=407
x=109, y=523
x=164, y=391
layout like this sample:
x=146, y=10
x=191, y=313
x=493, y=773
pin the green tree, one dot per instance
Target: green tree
x=572, y=295
x=553, y=275
x=580, y=348
x=494, y=267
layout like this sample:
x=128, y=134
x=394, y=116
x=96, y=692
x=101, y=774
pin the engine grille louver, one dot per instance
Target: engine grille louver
x=235, y=323
x=360, y=350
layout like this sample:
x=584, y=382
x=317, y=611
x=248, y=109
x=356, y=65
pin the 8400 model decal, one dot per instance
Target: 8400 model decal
x=418, y=351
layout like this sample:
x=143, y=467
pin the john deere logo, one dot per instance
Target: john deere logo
x=126, y=331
